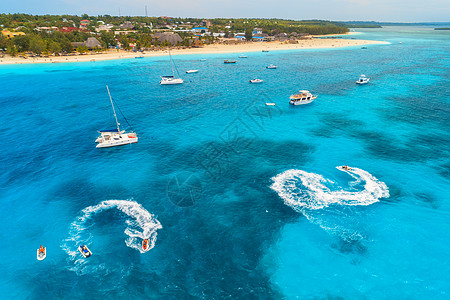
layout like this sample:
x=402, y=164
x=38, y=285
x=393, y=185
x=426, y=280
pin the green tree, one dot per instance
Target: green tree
x=12, y=50
x=82, y=49
x=22, y=42
x=108, y=38
x=54, y=47
x=248, y=34
x=37, y=45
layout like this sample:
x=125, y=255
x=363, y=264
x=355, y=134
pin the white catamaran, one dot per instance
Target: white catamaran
x=115, y=137
x=171, y=79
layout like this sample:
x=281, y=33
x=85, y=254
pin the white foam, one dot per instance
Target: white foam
x=302, y=190
x=141, y=225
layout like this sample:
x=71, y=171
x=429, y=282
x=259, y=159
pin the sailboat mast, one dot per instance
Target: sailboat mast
x=115, y=116
x=171, y=62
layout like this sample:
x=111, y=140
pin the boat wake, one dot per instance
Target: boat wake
x=300, y=189
x=140, y=224
x=324, y=202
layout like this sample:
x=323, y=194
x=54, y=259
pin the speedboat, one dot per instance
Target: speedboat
x=115, y=137
x=191, y=71
x=363, y=79
x=256, y=80
x=271, y=66
x=84, y=250
x=227, y=61
x=270, y=104
x=41, y=253
x=265, y=50
x=302, y=97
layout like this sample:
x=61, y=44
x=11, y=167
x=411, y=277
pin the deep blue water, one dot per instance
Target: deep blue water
x=242, y=200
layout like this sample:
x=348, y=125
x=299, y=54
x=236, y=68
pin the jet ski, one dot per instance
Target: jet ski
x=84, y=250
x=346, y=168
x=145, y=245
x=41, y=255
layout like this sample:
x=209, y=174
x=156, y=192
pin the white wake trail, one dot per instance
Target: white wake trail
x=303, y=190
x=140, y=224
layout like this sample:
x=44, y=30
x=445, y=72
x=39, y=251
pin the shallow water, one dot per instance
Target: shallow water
x=200, y=182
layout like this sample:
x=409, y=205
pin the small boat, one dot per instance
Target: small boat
x=227, y=61
x=302, y=97
x=171, y=79
x=270, y=104
x=256, y=80
x=191, y=71
x=363, y=79
x=84, y=250
x=145, y=245
x=363, y=47
x=243, y=56
x=203, y=59
x=265, y=50
x=41, y=253
x=271, y=66
x=139, y=56
x=115, y=137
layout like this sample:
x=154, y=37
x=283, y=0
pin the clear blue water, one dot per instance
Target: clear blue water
x=202, y=181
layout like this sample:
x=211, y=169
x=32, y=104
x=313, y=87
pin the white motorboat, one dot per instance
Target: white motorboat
x=302, y=97
x=227, y=61
x=363, y=79
x=256, y=80
x=115, y=137
x=171, y=79
x=271, y=66
x=243, y=56
x=270, y=104
x=191, y=71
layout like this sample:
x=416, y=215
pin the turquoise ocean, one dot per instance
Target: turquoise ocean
x=240, y=200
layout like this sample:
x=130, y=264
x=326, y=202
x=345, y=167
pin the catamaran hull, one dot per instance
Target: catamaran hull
x=117, y=143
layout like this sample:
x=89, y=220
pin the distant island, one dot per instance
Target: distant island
x=442, y=28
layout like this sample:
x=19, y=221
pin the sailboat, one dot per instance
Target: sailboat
x=171, y=79
x=115, y=137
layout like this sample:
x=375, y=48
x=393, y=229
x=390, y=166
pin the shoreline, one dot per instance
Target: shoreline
x=207, y=49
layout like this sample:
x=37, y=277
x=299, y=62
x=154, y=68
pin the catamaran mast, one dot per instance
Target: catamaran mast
x=171, y=62
x=110, y=99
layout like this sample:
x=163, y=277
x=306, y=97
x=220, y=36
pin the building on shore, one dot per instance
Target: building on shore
x=170, y=37
x=11, y=34
x=90, y=43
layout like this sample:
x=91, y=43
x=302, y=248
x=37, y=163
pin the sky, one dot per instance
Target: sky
x=335, y=10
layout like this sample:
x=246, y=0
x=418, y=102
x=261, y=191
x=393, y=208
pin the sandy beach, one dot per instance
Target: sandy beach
x=207, y=49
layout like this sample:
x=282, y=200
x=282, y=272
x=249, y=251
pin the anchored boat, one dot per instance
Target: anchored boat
x=302, y=97
x=115, y=137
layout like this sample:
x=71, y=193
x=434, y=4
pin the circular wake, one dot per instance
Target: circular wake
x=140, y=224
x=302, y=190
